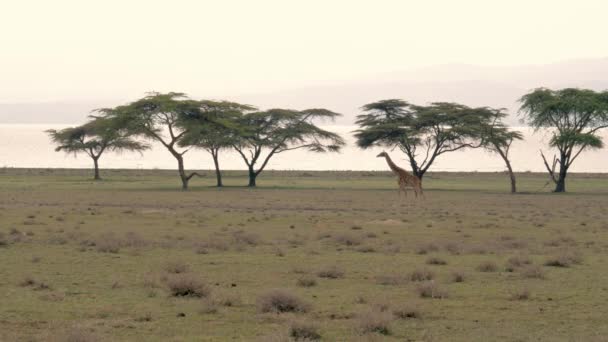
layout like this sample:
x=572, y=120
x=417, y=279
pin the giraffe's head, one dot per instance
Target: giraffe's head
x=383, y=154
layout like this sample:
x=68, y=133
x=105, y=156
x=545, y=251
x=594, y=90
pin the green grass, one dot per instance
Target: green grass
x=295, y=224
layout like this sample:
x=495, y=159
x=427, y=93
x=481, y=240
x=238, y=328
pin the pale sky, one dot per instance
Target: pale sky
x=84, y=49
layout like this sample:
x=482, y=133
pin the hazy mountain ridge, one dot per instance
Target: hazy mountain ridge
x=467, y=84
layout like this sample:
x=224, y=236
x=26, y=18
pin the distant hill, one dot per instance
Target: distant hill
x=467, y=84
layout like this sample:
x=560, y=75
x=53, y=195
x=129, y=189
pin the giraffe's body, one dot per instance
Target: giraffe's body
x=404, y=178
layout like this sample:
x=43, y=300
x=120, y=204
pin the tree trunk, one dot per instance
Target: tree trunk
x=218, y=173
x=252, y=177
x=560, y=185
x=510, y=170
x=95, y=162
x=419, y=174
x=182, y=172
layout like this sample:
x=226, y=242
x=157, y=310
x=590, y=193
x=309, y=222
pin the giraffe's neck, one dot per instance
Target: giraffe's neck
x=392, y=165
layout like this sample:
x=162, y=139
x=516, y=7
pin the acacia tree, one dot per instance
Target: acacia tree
x=94, y=138
x=423, y=133
x=498, y=138
x=574, y=117
x=221, y=133
x=161, y=117
x=267, y=133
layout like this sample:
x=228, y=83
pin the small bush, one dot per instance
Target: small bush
x=487, y=266
x=521, y=295
x=533, y=271
x=245, y=238
x=208, y=307
x=436, y=261
x=107, y=243
x=347, y=240
x=516, y=262
x=453, y=248
x=304, y=331
x=79, y=335
x=430, y=289
x=421, y=275
x=375, y=322
x=457, y=277
x=185, y=285
x=176, y=267
x=229, y=300
x=28, y=281
x=3, y=240
x=279, y=300
x=564, y=260
x=331, y=272
x=135, y=240
x=428, y=248
x=366, y=249
x=306, y=281
x=390, y=279
x=406, y=312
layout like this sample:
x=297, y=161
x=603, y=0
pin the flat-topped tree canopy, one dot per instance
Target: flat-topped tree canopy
x=280, y=130
x=218, y=129
x=166, y=118
x=421, y=132
x=575, y=115
x=98, y=135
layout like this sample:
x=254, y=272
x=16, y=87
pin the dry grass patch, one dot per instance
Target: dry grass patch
x=564, y=260
x=427, y=248
x=457, y=277
x=406, y=311
x=107, y=243
x=347, y=239
x=208, y=307
x=306, y=281
x=374, y=322
x=516, y=262
x=177, y=267
x=77, y=334
x=523, y=294
x=533, y=271
x=487, y=266
x=422, y=274
x=331, y=272
x=390, y=279
x=281, y=300
x=430, y=289
x=301, y=330
x=186, y=285
x=436, y=261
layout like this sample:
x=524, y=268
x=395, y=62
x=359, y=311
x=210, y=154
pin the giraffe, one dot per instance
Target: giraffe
x=404, y=178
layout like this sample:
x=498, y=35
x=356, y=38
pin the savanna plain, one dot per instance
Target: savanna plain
x=335, y=256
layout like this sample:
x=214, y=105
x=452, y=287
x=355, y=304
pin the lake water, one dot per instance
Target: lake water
x=29, y=146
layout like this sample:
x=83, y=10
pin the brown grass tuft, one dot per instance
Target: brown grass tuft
x=406, y=312
x=306, y=281
x=176, y=267
x=533, y=271
x=301, y=330
x=436, y=261
x=331, y=272
x=457, y=277
x=421, y=275
x=347, y=239
x=107, y=243
x=487, y=266
x=564, y=260
x=429, y=289
x=281, y=300
x=375, y=322
x=186, y=285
